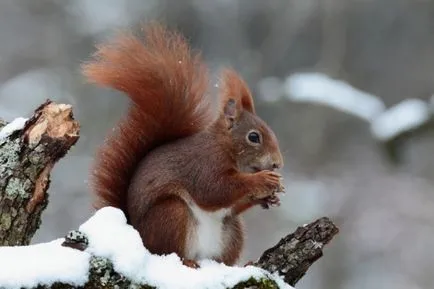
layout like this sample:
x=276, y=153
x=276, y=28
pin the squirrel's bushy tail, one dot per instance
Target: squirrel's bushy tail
x=167, y=85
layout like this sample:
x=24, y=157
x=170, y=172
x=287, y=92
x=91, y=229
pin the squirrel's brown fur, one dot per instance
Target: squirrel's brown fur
x=171, y=165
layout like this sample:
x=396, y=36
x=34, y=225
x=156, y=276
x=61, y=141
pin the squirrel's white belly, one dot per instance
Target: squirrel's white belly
x=206, y=239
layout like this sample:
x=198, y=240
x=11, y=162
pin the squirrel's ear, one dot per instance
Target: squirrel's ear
x=236, y=90
x=231, y=112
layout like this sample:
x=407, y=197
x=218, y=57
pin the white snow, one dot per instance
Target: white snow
x=319, y=88
x=404, y=116
x=14, y=125
x=109, y=236
x=27, y=266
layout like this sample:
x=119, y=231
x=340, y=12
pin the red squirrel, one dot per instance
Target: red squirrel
x=181, y=173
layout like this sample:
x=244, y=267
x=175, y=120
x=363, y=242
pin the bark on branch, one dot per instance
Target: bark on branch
x=295, y=253
x=27, y=157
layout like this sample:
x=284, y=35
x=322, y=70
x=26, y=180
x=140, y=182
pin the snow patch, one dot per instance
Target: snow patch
x=404, y=116
x=110, y=236
x=319, y=88
x=28, y=266
x=11, y=127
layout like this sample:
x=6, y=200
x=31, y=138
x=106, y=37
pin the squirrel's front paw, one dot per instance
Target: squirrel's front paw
x=190, y=263
x=269, y=184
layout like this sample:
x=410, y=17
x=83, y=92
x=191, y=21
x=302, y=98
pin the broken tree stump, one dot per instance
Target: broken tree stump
x=27, y=156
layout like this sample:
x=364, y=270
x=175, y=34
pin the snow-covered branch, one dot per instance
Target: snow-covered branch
x=321, y=89
x=386, y=124
x=403, y=117
x=106, y=252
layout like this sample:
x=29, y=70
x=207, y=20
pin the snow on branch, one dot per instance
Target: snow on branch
x=8, y=129
x=319, y=88
x=386, y=124
x=106, y=252
x=405, y=116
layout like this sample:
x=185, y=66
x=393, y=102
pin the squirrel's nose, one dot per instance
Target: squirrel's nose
x=277, y=162
x=272, y=162
x=276, y=165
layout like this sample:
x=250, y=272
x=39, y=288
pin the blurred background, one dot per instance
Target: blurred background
x=345, y=84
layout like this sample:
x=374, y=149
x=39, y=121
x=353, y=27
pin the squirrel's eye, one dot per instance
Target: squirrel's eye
x=254, y=137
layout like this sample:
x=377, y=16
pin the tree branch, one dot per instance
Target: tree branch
x=27, y=156
x=295, y=253
x=290, y=258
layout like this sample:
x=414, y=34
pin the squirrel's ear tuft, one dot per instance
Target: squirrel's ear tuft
x=236, y=90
